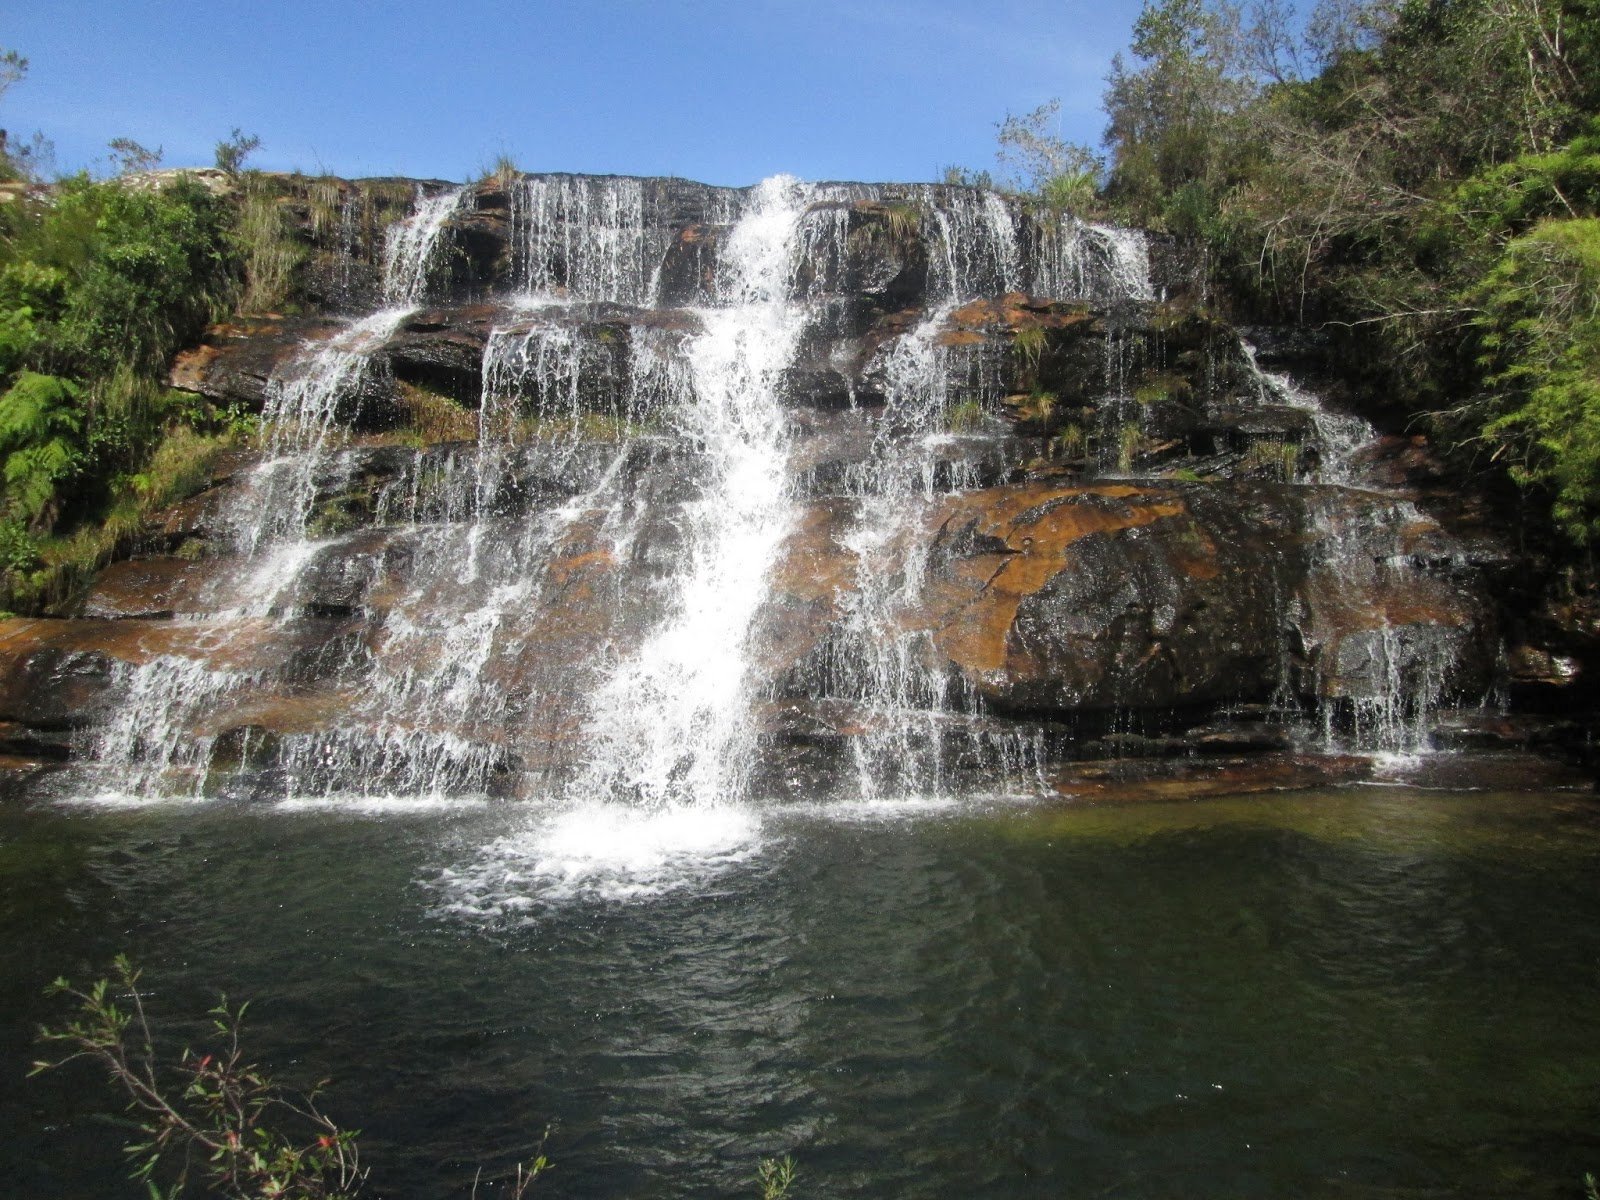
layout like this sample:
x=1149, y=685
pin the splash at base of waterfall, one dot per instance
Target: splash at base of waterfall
x=599, y=852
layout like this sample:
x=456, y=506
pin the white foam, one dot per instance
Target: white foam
x=380, y=806
x=129, y=800
x=600, y=852
x=894, y=808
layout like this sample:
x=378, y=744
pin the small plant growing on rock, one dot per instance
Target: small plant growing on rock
x=1073, y=193
x=1070, y=441
x=1279, y=459
x=1031, y=344
x=964, y=417
x=905, y=222
x=502, y=172
x=1129, y=439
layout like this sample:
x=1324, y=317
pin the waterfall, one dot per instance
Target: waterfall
x=1388, y=678
x=599, y=238
x=974, y=249
x=1077, y=260
x=411, y=246
x=154, y=736
x=918, y=716
x=672, y=723
x=1340, y=436
x=306, y=399
x=585, y=597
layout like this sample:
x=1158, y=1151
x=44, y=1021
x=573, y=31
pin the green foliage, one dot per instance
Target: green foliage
x=41, y=430
x=114, y=277
x=958, y=176
x=964, y=417
x=211, y=1121
x=1037, y=162
x=235, y=149
x=1072, y=193
x=1056, y=176
x=129, y=157
x=1070, y=440
x=1129, y=439
x=503, y=171
x=98, y=287
x=1274, y=457
x=1030, y=343
x=270, y=252
x=1417, y=178
x=776, y=1176
x=1540, y=338
x=905, y=221
x=1037, y=407
x=1175, y=130
x=13, y=69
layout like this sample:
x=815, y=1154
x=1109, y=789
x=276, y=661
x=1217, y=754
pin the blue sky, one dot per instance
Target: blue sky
x=713, y=90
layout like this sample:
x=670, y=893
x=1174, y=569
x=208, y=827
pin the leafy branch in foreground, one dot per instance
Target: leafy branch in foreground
x=775, y=1175
x=213, y=1119
x=215, y=1123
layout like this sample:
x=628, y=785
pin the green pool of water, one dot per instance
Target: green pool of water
x=1364, y=992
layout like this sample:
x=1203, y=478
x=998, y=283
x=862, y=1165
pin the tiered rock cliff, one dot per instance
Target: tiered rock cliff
x=674, y=493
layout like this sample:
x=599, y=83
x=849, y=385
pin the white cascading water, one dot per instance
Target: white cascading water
x=672, y=723
x=1397, y=674
x=1103, y=264
x=301, y=416
x=152, y=747
x=437, y=717
x=669, y=735
x=670, y=719
x=919, y=718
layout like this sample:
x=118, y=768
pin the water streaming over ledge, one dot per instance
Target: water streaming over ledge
x=1397, y=675
x=582, y=600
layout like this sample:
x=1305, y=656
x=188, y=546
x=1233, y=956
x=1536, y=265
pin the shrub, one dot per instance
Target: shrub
x=40, y=438
x=214, y=1116
x=218, y=1121
x=1540, y=337
x=233, y=150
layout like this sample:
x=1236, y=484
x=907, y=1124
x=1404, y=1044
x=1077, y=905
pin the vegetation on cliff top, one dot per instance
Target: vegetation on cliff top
x=99, y=287
x=1418, y=178
x=100, y=283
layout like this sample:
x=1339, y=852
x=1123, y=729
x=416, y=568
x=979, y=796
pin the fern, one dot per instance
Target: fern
x=39, y=435
x=36, y=409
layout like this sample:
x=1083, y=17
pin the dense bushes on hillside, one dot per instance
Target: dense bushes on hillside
x=99, y=284
x=1419, y=178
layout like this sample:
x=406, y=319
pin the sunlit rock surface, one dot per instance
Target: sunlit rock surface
x=862, y=487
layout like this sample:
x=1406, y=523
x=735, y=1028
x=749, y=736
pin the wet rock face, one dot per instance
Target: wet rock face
x=1079, y=518
x=1140, y=600
x=236, y=360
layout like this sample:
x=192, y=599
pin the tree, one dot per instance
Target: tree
x=129, y=157
x=1171, y=131
x=13, y=67
x=1062, y=174
x=232, y=152
x=30, y=158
